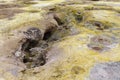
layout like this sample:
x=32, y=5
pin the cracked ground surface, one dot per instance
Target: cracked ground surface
x=59, y=40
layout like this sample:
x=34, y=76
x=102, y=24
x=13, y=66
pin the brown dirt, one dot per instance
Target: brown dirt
x=3, y=6
x=8, y=13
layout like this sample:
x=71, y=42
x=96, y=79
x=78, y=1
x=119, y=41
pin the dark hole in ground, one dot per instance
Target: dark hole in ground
x=99, y=25
x=59, y=21
x=25, y=60
x=41, y=60
x=52, y=9
x=49, y=32
x=28, y=45
x=78, y=17
x=47, y=35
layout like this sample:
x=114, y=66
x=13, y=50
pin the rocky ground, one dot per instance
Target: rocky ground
x=59, y=40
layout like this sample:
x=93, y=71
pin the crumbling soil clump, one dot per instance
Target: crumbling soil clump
x=32, y=56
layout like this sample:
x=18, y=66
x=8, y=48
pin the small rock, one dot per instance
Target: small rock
x=33, y=34
x=102, y=43
x=18, y=53
x=105, y=71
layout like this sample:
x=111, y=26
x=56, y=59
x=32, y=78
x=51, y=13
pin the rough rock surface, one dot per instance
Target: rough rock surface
x=105, y=71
